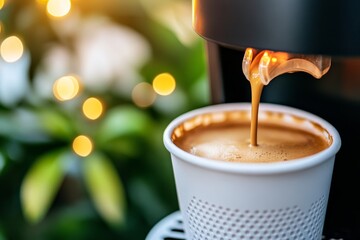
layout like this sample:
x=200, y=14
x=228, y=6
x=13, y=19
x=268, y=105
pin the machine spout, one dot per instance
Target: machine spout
x=272, y=64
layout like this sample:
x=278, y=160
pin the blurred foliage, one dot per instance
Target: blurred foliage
x=125, y=186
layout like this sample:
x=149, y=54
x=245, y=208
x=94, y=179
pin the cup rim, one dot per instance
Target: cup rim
x=253, y=168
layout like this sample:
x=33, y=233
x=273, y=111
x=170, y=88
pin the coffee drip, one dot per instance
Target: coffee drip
x=260, y=67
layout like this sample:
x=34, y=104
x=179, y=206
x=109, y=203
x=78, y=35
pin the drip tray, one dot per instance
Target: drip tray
x=171, y=228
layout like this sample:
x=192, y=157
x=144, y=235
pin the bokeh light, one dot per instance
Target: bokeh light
x=66, y=88
x=164, y=84
x=92, y=108
x=11, y=49
x=2, y=3
x=58, y=8
x=42, y=1
x=82, y=145
x=143, y=95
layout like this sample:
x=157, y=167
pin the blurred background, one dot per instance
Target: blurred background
x=86, y=91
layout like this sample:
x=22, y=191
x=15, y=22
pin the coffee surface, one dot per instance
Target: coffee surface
x=231, y=142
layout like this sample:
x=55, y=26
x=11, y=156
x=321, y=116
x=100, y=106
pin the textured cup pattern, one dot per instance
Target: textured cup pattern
x=209, y=221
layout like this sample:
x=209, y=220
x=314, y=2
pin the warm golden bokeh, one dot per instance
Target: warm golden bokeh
x=143, y=95
x=164, y=84
x=82, y=145
x=92, y=108
x=77, y=107
x=58, y=8
x=66, y=88
x=42, y=1
x=11, y=49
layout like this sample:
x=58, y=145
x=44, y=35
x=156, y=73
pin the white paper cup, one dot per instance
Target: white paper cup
x=227, y=200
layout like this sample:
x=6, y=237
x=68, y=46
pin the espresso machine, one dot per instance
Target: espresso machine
x=321, y=27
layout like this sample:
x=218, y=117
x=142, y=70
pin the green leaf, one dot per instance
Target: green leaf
x=3, y=162
x=124, y=120
x=2, y=237
x=105, y=188
x=56, y=124
x=40, y=185
x=125, y=146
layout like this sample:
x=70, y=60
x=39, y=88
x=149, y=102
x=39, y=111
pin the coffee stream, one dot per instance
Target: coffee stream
x=261, y=67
